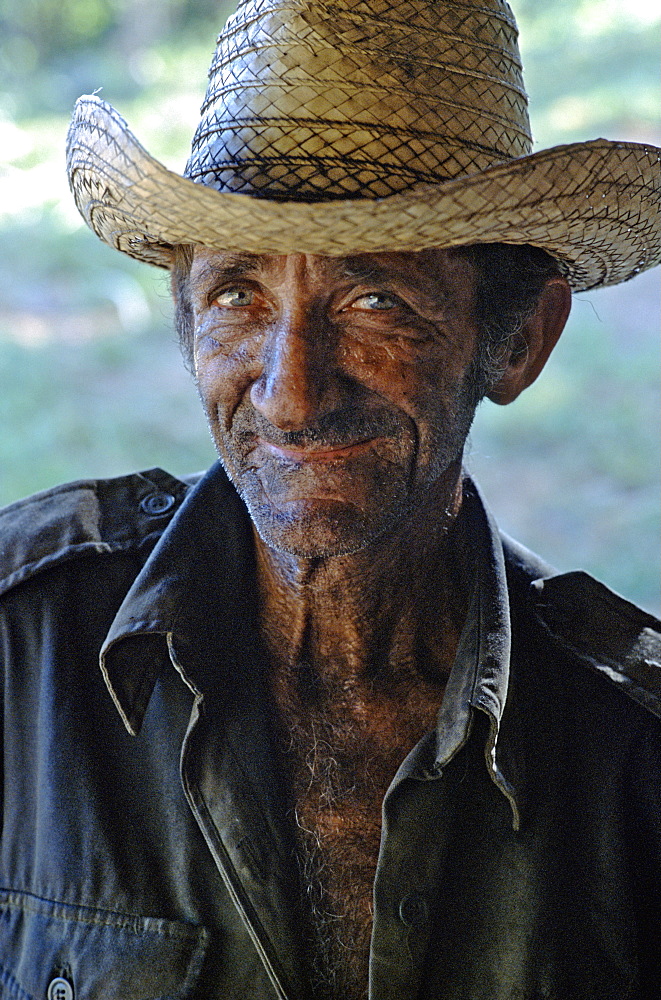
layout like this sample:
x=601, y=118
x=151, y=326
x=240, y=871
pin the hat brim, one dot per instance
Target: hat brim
x=595, y=206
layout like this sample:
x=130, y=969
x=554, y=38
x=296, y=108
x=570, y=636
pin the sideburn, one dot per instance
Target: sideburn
x=182, y=260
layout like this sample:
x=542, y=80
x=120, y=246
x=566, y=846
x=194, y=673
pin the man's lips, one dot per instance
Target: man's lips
x=317, y=453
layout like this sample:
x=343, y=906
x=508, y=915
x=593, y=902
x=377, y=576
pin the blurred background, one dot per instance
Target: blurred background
x=91, y=382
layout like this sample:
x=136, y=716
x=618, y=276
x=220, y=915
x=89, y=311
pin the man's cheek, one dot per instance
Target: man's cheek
x=222, y=384
x=442, y=418
x=387, y=374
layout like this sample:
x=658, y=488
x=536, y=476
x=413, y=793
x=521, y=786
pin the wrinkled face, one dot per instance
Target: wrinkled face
x=337, y=389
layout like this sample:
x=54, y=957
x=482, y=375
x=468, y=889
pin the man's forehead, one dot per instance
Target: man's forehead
x=384, y=266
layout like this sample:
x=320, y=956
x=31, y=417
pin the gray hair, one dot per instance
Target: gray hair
x=509, y=281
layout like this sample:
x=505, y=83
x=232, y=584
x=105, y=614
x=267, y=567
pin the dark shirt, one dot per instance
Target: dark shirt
x=146, y=851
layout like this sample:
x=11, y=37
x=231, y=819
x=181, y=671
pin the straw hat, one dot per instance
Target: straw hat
x=348, y=126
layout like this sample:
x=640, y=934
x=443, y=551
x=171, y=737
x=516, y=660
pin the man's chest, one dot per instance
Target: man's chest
x=342, y=746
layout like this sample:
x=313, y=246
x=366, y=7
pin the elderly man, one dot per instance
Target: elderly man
x=361, y=744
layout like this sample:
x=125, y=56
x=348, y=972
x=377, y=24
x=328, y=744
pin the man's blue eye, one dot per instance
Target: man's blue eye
x=233, y=297
x=375, y=300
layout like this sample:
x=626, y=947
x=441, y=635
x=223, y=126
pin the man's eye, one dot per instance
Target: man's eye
x=375, y=300
x=233, y=297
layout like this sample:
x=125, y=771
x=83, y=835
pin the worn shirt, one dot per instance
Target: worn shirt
x=146, y=851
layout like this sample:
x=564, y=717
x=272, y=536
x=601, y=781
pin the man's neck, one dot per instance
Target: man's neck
x=395, y=604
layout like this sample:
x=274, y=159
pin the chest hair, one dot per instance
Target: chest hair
x=343, y=739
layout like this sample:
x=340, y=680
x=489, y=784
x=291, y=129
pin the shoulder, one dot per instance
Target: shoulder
x=590, y=624
x=91, y=516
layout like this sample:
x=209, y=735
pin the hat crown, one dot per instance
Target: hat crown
x=347, y=98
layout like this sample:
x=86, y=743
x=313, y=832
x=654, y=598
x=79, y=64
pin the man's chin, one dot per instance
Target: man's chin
x=317, y=529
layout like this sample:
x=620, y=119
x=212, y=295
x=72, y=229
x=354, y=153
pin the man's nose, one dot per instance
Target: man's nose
x=299, y=381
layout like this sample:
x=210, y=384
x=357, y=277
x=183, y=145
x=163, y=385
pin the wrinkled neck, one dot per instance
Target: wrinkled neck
x=397, y=603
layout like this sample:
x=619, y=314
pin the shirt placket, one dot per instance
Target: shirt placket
x=409, y=874
x=228, y=784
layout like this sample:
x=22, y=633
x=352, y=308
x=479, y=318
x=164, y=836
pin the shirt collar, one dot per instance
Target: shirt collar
x=204, y=559
x=479, y=677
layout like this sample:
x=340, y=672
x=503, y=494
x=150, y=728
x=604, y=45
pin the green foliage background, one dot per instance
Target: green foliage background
x=91, y=383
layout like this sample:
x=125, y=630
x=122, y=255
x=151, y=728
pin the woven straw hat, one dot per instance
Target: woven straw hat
x=348, y=126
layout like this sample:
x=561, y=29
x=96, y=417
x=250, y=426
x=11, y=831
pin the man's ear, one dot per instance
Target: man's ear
x=538, y=337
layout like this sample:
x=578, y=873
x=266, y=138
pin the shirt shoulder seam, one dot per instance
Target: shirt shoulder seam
x=613, y=637
x=92, y=516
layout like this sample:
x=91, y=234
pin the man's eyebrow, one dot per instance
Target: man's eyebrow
x=355, y=269
x=231, y=265
x=370, y=272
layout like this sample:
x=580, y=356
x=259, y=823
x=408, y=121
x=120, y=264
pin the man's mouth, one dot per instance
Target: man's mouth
x=317, y=452
x=335, y=441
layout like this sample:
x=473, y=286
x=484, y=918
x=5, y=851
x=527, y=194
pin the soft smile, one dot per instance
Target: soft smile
x=317, y=454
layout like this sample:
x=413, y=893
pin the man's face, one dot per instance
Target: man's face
x=337, y=389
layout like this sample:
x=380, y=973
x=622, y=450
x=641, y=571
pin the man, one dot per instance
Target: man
x=361, y=745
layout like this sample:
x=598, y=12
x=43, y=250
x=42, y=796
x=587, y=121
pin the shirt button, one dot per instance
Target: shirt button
x=59, y=989
x=157, y=503
x=413, y=910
